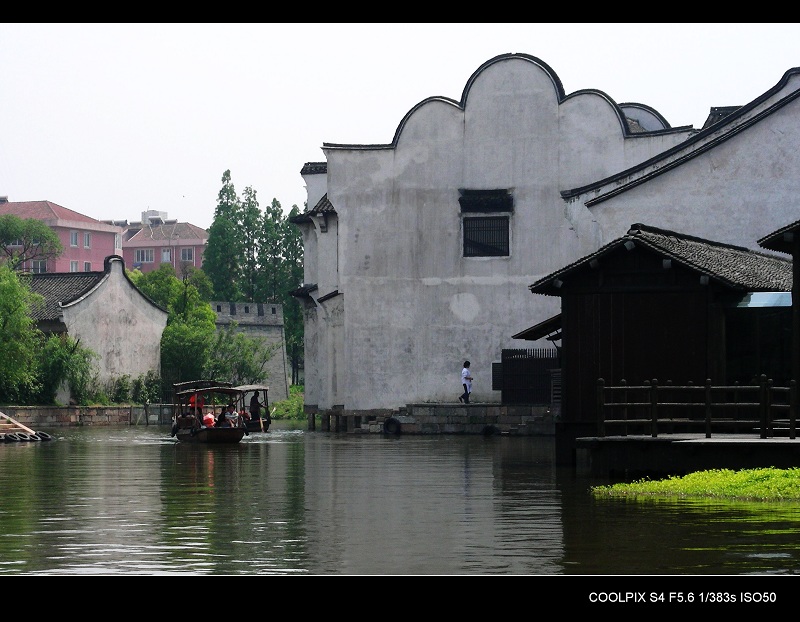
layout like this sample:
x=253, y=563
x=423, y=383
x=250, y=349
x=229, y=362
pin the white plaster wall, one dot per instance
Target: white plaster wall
x=327, y=278
x=737, y=192
x=314, y=362
x=316, y=186
x=118, y=323
x=412, y=308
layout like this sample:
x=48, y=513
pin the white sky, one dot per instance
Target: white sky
x=110, y=120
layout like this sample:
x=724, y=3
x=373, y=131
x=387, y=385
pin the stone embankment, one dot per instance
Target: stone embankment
x=46, y=417
x=486, y=419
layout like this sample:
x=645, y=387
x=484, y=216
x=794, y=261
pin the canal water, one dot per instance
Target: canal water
x=133, y=501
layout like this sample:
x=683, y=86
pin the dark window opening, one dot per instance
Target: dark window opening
x=472, y=201
x=486, y=236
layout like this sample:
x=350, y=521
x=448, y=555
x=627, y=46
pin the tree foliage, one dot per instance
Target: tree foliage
x=63, y=361
x=19, y=337
x=238, y=358
x=187, y=339
x=292, y=309
x=222, y=259
x=23, y=240
x=257, y=256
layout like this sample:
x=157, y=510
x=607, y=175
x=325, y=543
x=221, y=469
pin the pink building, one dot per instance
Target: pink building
x=86, y=241
x=155, y=240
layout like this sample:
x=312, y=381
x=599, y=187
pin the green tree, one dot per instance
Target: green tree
x=187, y=340
x=24, y=240
x=224, y=254
x=63, y=361
x=272, y=275
x=269, y=264
x=19, y=337
x=292, y=309
x=185, y=350
x=160, y=285
x=238, y=358
x=251, y=252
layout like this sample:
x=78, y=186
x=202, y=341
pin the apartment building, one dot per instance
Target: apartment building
x=86, y=241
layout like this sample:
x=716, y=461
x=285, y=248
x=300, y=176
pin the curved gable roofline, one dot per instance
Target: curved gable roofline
x=458, y=104
x=106, y=274
x=649, y=109
x=621, y=117
x=732, y=122
x=557, y=86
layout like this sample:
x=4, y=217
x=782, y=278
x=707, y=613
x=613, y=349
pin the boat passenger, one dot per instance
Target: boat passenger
x=196, y=401
x=231, y=415
x=208, y=420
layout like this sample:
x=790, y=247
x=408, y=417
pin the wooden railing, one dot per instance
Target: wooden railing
x=736, y=408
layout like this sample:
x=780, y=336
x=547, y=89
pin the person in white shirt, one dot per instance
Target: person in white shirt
x=466, y=382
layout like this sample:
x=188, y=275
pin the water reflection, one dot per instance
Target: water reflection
x=133, y=501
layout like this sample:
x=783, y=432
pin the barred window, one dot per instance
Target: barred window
x=486, y=236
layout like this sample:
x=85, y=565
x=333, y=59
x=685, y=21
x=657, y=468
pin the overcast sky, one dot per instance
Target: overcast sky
x=111, y=120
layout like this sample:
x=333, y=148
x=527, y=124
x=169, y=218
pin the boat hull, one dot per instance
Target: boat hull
x=255, y=425
x=211, y=435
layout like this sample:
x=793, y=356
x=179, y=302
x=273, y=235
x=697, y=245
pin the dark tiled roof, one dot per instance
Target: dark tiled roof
x=782, y=239
x=304, y=291
x=312, y=168
x=323, y=206
x=60, y=287
x=551, y=327
x=718, y=114
x=42, y=210
x=733, y=266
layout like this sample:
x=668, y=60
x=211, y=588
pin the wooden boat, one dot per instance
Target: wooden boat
x=254, y=425
x=196, y=399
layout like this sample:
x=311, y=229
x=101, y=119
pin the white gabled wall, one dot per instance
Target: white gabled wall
x=411, y=308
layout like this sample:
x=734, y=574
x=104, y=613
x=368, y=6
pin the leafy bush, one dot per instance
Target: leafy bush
x=291, y=408
x=146, y=388
x=121, y=389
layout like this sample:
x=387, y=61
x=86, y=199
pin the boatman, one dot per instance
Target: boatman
x=255, y=407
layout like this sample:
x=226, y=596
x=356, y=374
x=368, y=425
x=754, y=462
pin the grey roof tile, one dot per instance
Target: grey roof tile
x=60, y=287
x=733, y=266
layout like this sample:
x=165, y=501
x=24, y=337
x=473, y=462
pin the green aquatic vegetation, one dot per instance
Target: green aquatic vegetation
x=766, y=484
